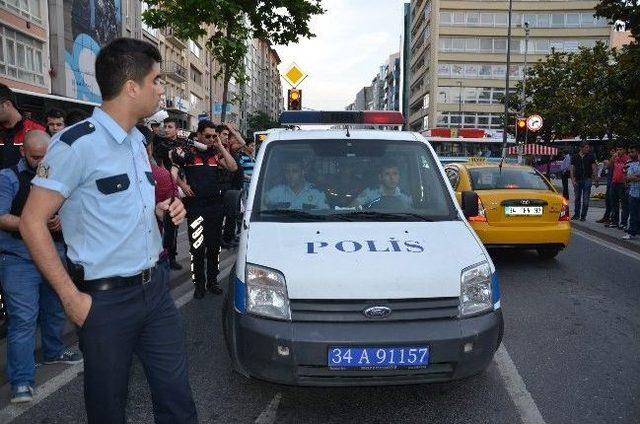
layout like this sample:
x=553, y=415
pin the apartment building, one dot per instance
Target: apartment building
x=457, y=54
x=24, y=45
x=384, y=91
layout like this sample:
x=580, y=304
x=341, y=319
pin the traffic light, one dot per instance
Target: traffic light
x=521, y=130
x=294, y=101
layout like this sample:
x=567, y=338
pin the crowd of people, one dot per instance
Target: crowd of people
x=620, y=171
x=87, y=231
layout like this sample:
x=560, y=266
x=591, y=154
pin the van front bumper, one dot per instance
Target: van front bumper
x=295, y=353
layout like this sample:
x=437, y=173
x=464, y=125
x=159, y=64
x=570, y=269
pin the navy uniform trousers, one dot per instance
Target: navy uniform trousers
x=144, y=320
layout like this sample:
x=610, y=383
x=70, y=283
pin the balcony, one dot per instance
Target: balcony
x=169, y=34
x=174, y=70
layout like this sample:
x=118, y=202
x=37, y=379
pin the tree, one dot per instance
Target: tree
x=260, y=122
x=627, y=11
x=235, y=22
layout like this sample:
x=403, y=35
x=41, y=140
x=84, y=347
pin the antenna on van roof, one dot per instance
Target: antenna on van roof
x=347, y=128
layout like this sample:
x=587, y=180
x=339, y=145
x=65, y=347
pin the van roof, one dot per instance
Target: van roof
x=342, y=135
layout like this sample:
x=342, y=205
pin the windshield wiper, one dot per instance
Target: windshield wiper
x=373, y=215
x=293, y=213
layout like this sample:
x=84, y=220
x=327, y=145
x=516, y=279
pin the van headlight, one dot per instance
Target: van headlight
x=475, y=290
x=267, y=293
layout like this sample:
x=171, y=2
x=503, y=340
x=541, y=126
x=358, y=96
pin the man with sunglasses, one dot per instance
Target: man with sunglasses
x=205, y=208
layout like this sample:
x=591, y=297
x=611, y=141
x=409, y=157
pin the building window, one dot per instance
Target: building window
x=196, y=76
x=21, y=57
x=29, y=9
x=195, y=48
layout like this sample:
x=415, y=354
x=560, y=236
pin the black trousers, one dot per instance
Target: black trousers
x=141, y=319
x=231, y=212
x=170, y=240
x=565, y=184
x=204, y=225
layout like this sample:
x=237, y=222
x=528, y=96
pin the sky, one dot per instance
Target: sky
x=353, y=38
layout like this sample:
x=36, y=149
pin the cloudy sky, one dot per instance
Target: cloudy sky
x=353, y=38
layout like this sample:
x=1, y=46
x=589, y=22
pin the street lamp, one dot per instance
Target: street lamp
x=506, y=89
x=524, y=69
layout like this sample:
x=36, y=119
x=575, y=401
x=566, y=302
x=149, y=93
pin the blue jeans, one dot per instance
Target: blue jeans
x=30, y=300
x=634, y=215
x=582, y=192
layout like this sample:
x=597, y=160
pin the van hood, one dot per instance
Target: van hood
x=366, y=260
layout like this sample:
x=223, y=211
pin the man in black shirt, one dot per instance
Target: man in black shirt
x=583, y=171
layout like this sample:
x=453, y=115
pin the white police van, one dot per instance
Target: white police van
x=356, y=266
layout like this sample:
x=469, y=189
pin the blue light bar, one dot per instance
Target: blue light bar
x=350, y=117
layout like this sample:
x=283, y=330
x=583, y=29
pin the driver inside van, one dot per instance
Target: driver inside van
x=297, y=192
x=389, y=188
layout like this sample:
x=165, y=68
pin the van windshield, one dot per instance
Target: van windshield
x=353, y=180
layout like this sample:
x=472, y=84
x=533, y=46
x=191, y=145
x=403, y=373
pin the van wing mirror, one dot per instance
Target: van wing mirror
x=470, y=203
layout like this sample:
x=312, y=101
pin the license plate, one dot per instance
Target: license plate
x=342, y=357
x=523, y=210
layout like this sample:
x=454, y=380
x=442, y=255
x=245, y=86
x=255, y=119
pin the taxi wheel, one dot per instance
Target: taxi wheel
x=548, y=252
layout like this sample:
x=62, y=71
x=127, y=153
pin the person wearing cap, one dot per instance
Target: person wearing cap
x=98, y=176
x=13, y=127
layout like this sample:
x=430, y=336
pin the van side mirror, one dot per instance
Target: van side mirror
x=470, y=204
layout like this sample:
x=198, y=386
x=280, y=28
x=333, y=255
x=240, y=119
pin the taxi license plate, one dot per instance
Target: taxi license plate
x=523, y=210
x=364, y=358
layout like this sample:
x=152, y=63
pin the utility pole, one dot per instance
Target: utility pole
x=506, y=88
x=524, y=70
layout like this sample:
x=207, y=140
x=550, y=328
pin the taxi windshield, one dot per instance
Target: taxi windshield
x=492, y=178
x=352, y=180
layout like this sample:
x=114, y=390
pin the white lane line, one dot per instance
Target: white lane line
x=520, y=396
x=13, y=411
x=268, y=416
x=608, y=244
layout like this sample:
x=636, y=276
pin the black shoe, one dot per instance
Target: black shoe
x=583, y=219
x=575, y=217
x=214, y=289
x=175, y=265
x=199, y=293
x=236, y=239
x=603, y=221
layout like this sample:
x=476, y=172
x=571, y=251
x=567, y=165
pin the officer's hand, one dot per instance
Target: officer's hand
x=187, y=190
x=78, y=309
x=175, y=210
x=54, y=223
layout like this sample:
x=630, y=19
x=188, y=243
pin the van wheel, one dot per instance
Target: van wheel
x=548, y=252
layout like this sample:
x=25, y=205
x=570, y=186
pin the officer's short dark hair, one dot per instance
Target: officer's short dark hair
x=220, y=128
x=204, y=124
x=75, y=115
x=389, y=165
x=54, y=112
x=169, y=120
x=147, y=133
x=122, y=60
x=7, y=94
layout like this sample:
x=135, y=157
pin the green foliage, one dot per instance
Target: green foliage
x=593, y=93
x=627, y=11
x=260, y=122
x=235, y=22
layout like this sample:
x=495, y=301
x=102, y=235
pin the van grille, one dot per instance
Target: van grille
x=352, y=310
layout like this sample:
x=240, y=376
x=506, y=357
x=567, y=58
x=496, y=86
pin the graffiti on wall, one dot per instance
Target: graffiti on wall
x=89, y=24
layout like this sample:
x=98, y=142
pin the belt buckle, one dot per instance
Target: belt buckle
x=146, y=276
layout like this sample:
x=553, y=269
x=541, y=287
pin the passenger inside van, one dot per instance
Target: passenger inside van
x=387, y=193
x=296, y=192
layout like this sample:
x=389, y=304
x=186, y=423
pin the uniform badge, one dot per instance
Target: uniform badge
x=43, y=170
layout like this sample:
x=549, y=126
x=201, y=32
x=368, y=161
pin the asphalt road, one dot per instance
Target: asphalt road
x=569, y=355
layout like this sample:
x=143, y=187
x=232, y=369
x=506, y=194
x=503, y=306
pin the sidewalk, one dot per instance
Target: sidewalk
x=595, y=212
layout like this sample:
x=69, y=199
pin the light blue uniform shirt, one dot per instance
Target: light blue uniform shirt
x=307, y=198
x=108, y=216
x=368, y=195
x=634, y=188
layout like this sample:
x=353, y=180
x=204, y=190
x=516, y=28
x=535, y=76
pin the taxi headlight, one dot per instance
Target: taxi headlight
x=267, y=293
x=475, y=290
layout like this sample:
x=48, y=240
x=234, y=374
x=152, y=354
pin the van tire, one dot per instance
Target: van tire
x=547, y=253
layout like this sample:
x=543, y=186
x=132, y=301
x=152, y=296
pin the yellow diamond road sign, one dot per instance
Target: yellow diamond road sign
x=294, y=75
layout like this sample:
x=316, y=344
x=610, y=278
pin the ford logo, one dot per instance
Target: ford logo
x=377, y=312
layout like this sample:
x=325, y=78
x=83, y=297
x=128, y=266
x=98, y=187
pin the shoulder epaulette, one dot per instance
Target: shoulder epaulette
x=77, y=131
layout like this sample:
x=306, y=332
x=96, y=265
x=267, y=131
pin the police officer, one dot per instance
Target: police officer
x=205, y=209
x=97, y=174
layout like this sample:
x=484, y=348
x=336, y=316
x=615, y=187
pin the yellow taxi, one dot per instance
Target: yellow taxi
x=518, y=206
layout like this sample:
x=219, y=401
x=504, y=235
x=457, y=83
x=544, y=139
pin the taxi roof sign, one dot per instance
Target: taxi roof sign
x=294, y=75
x=345, y=117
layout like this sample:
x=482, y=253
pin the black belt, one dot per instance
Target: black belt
x=111, y=283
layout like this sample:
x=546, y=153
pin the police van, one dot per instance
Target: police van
x=356, y=266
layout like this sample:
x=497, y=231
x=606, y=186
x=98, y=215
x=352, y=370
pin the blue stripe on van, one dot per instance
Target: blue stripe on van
x=240, y=296
x=495, y=289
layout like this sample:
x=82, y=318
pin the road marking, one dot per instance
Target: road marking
x=268, y=416
x=608, y=244
x=520, y=396
x=13, y=411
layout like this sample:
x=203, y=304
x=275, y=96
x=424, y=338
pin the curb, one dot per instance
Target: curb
x=606, y=237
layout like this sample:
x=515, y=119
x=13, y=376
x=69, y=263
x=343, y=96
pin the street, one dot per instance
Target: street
x=569, y=355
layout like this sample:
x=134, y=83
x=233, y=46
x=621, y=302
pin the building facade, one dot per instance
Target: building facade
x=24, y=45
x=457, y=54
x=384, y=91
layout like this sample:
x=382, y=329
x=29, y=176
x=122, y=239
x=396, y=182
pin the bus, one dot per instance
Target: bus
x=455, y=145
